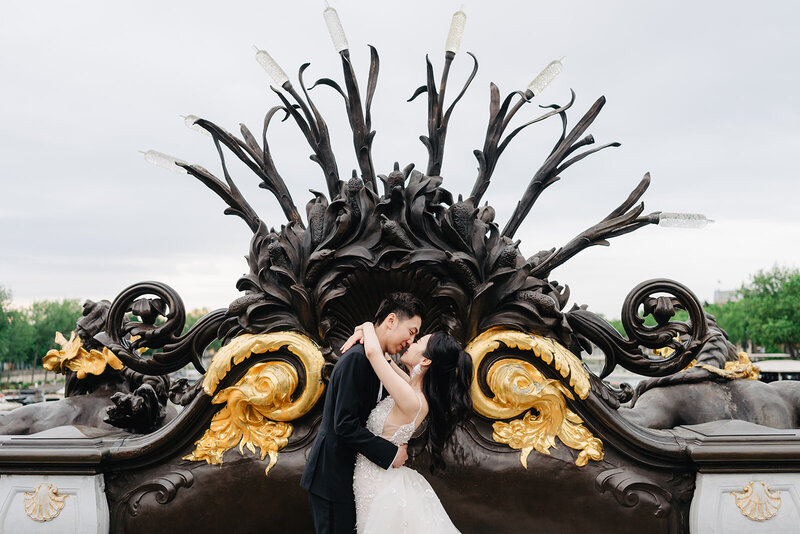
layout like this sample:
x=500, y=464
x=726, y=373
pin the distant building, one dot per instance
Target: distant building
x=726, y=296
x=773, y=370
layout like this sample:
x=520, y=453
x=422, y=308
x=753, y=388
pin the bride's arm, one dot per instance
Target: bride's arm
x=358, y=337
x=399, y=370
x=399, y=388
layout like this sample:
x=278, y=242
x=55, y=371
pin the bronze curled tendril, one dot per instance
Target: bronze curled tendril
x=499, y=118
x=176, y=350
x=627, y=353
x=257, y=159
x=557, y=161
x=314, y=129
x=438, y=119
x=360, y=118
x=227, y=191
x=164, y=488
x=624, y=219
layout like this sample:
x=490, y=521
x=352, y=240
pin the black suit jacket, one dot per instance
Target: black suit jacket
x=351, y=396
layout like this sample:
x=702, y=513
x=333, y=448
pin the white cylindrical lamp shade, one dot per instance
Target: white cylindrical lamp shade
x=271, y=66
x=683, y=220
x=547, y=75
x=335, y=29
x=164, y=161
x=456, y=32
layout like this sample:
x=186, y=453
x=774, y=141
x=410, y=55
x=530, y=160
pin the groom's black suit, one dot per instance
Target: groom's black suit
x=328, y=476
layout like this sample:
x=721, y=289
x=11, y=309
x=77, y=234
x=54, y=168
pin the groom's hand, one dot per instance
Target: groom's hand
x=402, y=456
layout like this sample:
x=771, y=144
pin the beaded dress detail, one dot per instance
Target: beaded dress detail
x=395, y=500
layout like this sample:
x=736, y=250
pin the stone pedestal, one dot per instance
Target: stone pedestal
x=746, y=503
x=53, y=504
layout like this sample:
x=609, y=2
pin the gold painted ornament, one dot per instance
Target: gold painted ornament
x=518, y=388
x=259, y=406
x=44, y=503
x=741, y=369
x=518, y=384
x=242, y=347
x=73, y=357
x=547, y=350
x=757, y=502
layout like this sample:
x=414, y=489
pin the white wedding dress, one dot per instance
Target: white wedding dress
x=395, y=500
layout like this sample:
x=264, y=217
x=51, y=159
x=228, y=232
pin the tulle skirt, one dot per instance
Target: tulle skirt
x=397, y=501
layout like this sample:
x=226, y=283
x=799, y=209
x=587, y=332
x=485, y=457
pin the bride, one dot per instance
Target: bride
x=437, y=386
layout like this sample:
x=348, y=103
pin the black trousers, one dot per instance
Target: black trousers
x=332, y=517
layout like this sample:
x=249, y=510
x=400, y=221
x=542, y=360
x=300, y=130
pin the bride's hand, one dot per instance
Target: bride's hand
x=357, y=337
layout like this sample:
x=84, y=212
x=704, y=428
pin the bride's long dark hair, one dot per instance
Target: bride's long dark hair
x=446, y=387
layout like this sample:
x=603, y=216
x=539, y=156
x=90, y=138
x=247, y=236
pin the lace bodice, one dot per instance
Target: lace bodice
x=377, y=424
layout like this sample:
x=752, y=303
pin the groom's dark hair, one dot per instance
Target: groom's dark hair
x=404, y=305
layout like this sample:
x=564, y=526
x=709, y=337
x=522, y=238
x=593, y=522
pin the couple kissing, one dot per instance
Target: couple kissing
x=355, y=474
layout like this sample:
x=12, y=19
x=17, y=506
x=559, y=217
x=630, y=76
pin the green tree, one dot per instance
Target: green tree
x=20, y=340
x=16, y=333
x=772, y=304
x=734, y=318
x=27, y=333
x=5, y=305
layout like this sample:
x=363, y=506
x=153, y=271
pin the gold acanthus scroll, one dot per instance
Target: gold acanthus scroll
x=259, y=407
x=519, y=387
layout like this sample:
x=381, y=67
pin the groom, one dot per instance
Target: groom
x=353, y=391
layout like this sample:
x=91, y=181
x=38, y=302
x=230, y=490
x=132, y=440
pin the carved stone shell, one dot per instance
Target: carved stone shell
x=44, y=503
x=757, y=502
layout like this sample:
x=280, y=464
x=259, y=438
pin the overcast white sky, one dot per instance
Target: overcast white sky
x=704, y=95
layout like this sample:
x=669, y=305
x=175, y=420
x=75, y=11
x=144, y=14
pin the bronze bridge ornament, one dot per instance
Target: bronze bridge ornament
x=312, y=277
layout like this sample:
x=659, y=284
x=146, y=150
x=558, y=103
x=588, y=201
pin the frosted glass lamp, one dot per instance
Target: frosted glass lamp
x=335, y=28
x=271, y=66
x=547, y=75
x=683, y=220
x=456, y=31
x=164, y=161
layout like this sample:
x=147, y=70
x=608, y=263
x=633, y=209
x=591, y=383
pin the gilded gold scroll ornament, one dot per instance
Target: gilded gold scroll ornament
x=519, y=387
x=757, y=502
x=73, y=357
x=741, y=369
x=44, y=503
x=259, y=406
x=549, y=351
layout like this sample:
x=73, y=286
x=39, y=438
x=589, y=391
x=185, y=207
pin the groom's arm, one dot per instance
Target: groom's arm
x=347, y=424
